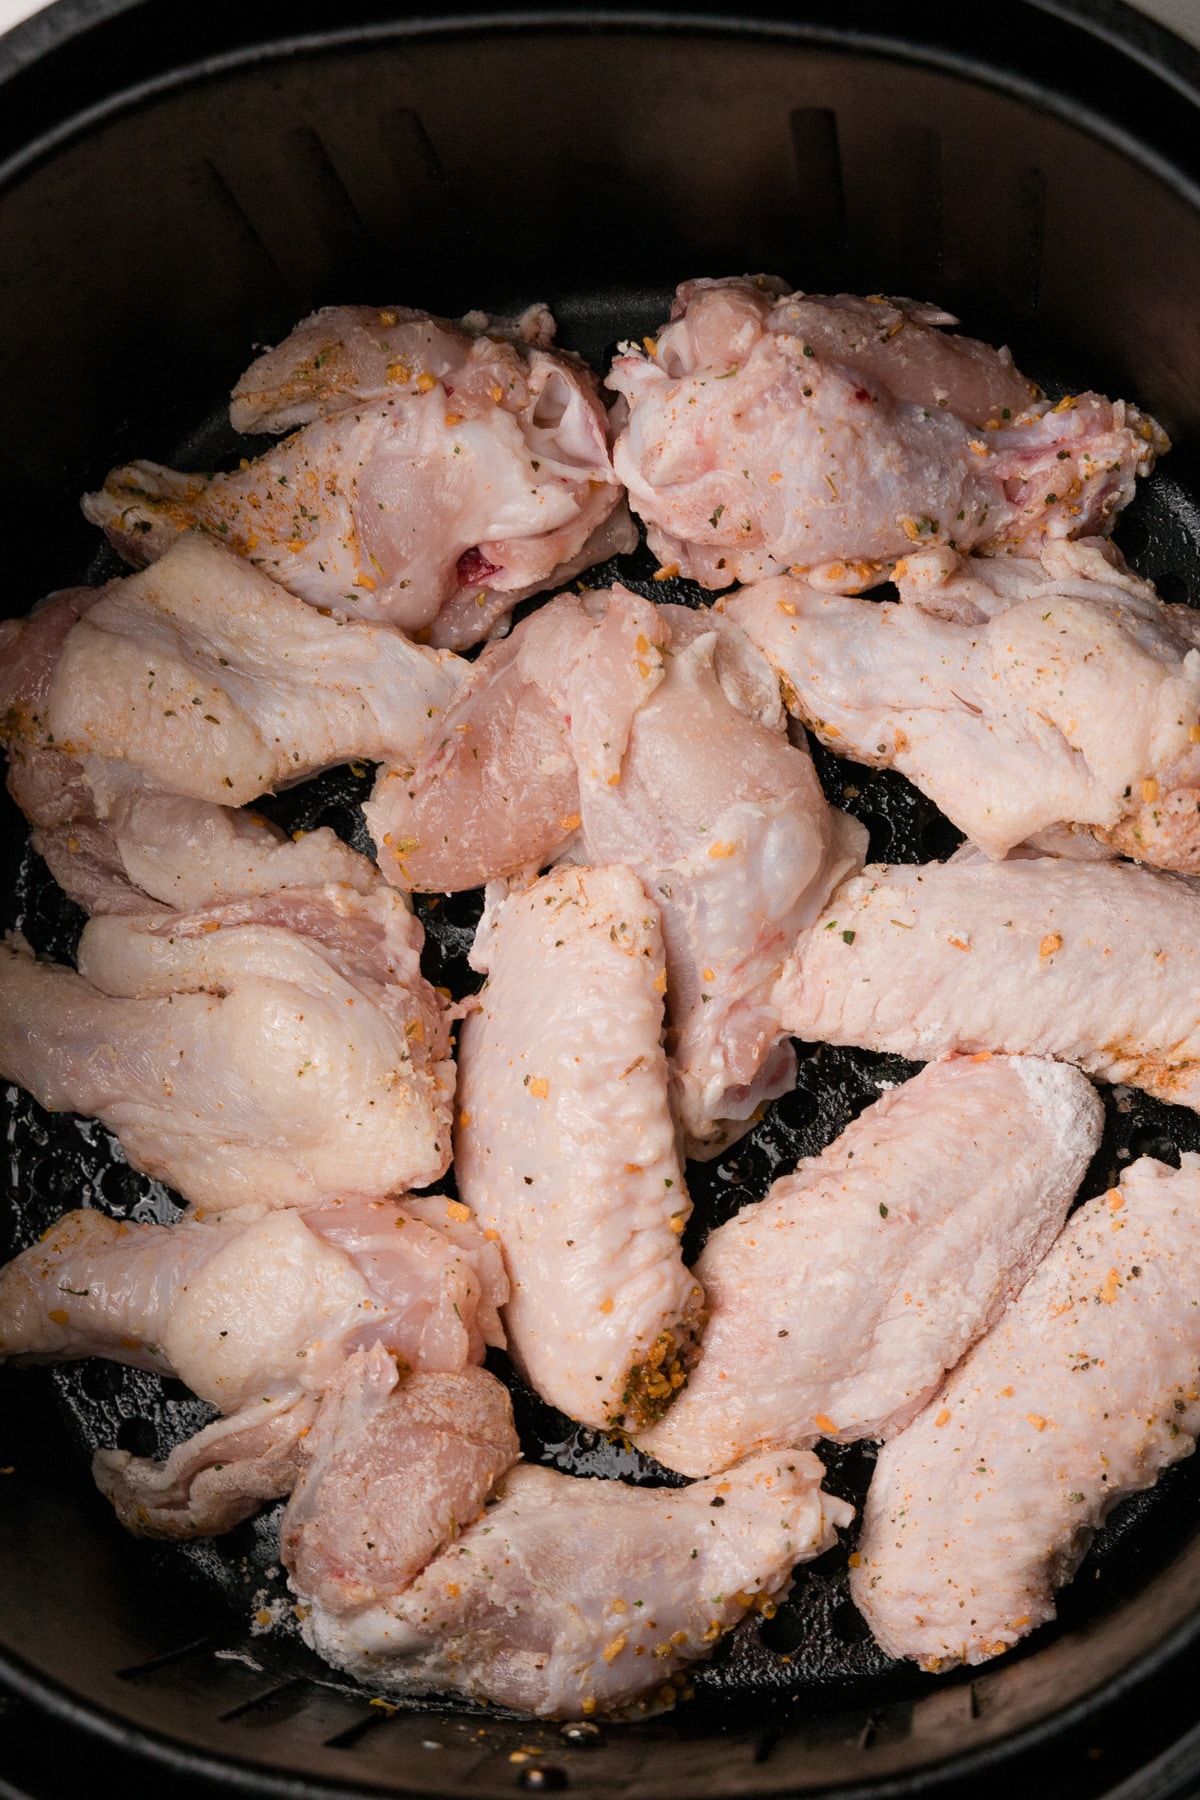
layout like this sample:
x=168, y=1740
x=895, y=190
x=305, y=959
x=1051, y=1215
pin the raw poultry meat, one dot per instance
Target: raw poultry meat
x=565, y=1147
x=565, y=1597
x=341, y=356
x=114, y=840
x=438, y=476
x=829, y=435
x=1020, y=695
x=213, y=682
x=496, y=790
x=238, y=1302
x=396, y=1467
x=837, y=1303
x=1084, y=1392
x=213, y=1480
x=256, y=1311
x=285, y=1049
x=1092, y=963
x=117, y=844
x=655, y=737
x=725, y=822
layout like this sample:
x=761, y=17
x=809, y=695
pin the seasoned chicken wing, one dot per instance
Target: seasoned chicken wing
x=656, y=735
x=565, y=1147
x=837, y=1303
x=768, y=432
x=558, y=1596
x=246, y=1302
x=1084, y=1392
x=1019, y=695
x=496, y=790
x=438, y=476
x=1094, y=963
x=341, y=356
x=213, y=682
x=285, y=1049
x=113, y=839
x=725, y=822
x=397, y=1465
x=256, y=1311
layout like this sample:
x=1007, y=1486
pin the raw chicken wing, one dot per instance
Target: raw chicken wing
x=837, y=1303
x=566, y=1597
x=656, y=735
x=256, y=1312
x=768, y=432
x=114, y=840
x=1083, y=1393
x=214, y=683
x=397, y=1465
x=341, y=356
x=239, y=1302
x=437, y=478
x=726, y=825
x=565, y=1146
x=496, y=790
x=1095, y=963
x=1020, y=696
x=285, y=1049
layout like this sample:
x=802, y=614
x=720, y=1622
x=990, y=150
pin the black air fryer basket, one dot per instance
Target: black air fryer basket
x=178, y=185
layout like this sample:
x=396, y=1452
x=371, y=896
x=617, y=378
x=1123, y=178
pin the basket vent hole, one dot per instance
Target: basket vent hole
x=1157, y=1144
x=100, y=1380
x=138, y=1436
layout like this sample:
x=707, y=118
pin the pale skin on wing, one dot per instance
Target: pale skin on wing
x=830, y=436
x=284, y=1049
x=1093, y=963
x=1083, y=1393
x=565, y=1146
x=838, y=1302
x=438, y=476
x=1023, y=696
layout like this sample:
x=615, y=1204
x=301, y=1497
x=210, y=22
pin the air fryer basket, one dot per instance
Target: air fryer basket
x=164, y=205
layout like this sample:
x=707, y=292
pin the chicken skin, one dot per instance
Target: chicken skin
x=213, y=682
x=239, y=1301
x=565, y=1147
x=1091, y=963
x=256, y=1311
x=113, y=839
x=651, y=737
x=768, y=432
x=837, y=1303
x=1083, y=1393
x=559, y=1596
x=284, y=1050
x=438, y=475
x=397, y=1465
x=1022, y=696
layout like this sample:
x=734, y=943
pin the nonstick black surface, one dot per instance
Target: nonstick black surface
x=816, y=1654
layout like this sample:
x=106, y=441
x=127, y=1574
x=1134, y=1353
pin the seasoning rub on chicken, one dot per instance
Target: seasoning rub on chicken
x=213, y=682
x=285, y=1049
x=651, y=737
x=561, y=1597
x=1084, y=1392
x=1022, y=696
x=837, y=1304
x=1095, y=963
x=830, y=435
x=256, y=1311
x=565, y=1146
x=440, y=474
